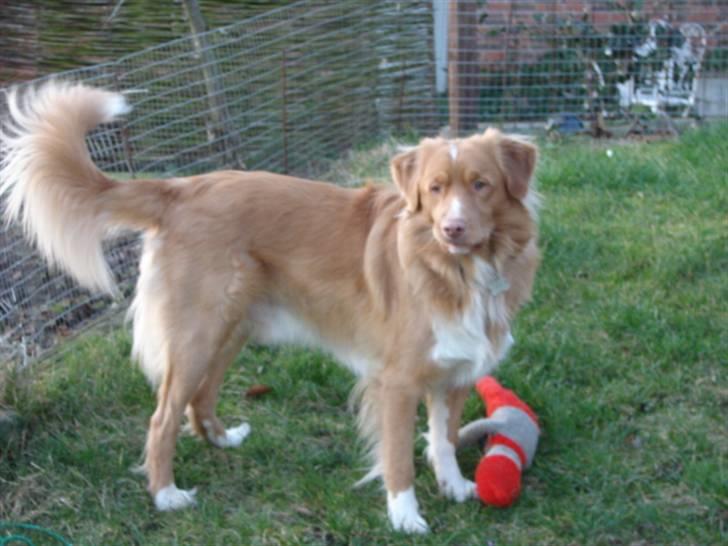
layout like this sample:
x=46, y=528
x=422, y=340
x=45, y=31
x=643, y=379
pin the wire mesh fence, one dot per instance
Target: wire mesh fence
x=593, y=60
x=290, y=89
x=287, y=90
x=38, y=38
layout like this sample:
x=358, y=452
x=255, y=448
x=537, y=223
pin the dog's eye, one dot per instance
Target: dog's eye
x=480, y=184
x=435, y=188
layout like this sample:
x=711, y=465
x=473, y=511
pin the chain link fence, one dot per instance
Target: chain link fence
x=291, y=89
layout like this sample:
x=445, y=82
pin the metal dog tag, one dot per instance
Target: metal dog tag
x=499, y=285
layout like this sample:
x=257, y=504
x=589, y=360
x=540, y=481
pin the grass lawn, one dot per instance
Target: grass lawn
x=623, y=353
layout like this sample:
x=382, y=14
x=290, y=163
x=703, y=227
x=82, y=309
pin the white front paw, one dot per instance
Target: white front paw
x=404, y=513
x=411, y=525
x=458, y=489
x=170, y=498
x=450, y=480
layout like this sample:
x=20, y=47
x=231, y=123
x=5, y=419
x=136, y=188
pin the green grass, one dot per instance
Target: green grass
x=622, y=353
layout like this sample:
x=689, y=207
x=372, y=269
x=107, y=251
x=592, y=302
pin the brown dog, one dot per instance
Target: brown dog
x=412, y=290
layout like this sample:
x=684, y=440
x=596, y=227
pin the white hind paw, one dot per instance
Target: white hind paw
x=233, y=437
x=170, y=498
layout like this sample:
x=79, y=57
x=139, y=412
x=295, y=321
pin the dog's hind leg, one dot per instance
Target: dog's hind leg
x=189, y=357
x=245, y=283
x=201, y=409
x=195, y=351
x=203, y=328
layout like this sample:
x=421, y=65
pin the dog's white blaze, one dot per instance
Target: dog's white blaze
x=276, y=324
x=441, y=452
x=455, y=212
x=453, y=151
x=404, y=512
x=461, y=343
x=171, y=498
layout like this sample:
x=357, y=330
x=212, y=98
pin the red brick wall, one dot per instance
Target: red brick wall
x=517, y=30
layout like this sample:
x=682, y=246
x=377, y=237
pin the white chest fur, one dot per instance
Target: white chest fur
x=461, y=344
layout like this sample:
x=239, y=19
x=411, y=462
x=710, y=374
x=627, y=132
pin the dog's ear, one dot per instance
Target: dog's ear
x=517, y=158
x=404, y=167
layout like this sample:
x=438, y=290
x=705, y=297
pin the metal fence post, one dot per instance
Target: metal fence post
x=284, y=110
x=219, y=127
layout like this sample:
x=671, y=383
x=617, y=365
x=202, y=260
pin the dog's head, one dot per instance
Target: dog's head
x=472, y=191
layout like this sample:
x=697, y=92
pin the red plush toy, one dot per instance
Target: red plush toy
x=514, y=435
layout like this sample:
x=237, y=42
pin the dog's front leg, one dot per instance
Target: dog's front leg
x=399, y=410
x=444, y=409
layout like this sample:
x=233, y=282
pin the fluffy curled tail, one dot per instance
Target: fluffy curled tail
x=65, y=204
